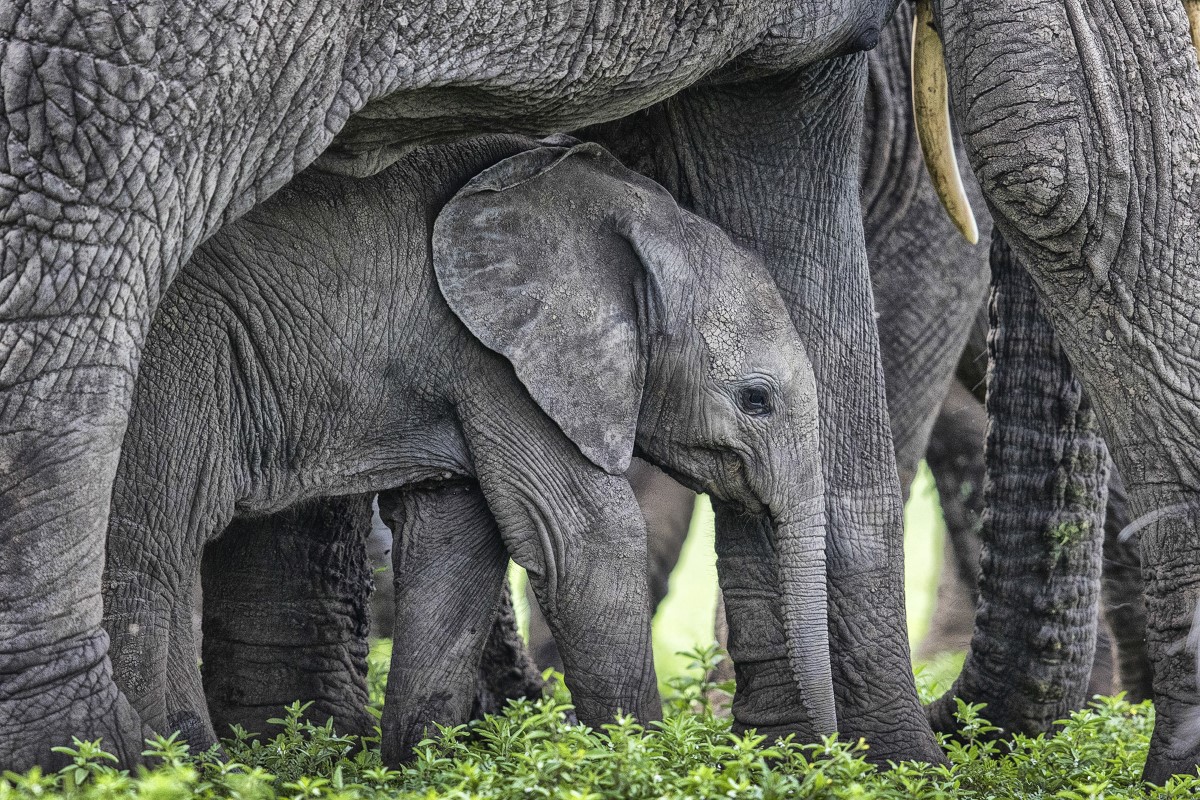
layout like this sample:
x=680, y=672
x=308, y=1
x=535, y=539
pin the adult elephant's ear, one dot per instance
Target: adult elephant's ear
x=533, y=257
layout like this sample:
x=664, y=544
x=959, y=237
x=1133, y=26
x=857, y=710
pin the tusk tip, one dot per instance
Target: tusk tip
x=968, y=228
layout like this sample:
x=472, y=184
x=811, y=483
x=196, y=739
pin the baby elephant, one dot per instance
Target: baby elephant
x=495, y=325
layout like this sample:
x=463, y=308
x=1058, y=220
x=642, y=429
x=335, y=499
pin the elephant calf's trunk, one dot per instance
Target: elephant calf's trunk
x=800, y=543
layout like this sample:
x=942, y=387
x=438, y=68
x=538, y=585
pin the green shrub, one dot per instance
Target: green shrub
x=531, y=751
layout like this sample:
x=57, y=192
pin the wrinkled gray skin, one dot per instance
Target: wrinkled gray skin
x=1103, y=215
x=666, y=506
x=286, y=619
x=1045, y=492
x=308, y=627
x=131, y=139
x=926, y=280
x=308, y=351
x=446, y=536
x=956, y=461
x=927, y=283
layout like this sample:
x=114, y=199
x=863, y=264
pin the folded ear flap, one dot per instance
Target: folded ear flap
x=530, y=255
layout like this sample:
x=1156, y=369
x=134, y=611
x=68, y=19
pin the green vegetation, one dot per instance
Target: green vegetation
x=1067, y=533
x=531, y=751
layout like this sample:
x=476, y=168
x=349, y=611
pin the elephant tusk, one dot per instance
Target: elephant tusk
x=1192, y=7
x=931, y=109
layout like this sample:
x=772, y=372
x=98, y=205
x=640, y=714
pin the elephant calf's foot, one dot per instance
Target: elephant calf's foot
x=42, y=711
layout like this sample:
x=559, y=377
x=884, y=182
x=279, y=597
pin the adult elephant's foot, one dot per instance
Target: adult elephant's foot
x=1170, y=553
x=46, y=699
x=60, y=436
x=1175, y=744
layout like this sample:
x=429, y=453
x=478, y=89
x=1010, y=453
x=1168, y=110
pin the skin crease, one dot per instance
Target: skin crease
x=396, y=392
x=1103, y=216
x=926, y=279
x=133, y=138
x=695, y=145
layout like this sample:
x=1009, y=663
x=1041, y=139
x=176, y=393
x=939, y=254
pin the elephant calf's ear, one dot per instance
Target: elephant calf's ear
x=528, y=256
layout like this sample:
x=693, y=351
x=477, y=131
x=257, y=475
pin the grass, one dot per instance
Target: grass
x=531, y=750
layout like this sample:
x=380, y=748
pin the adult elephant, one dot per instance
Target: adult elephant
x=1087, y=164
x=927, y=283
x=132, y=132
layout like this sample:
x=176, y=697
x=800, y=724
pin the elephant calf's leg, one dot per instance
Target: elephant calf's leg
x=667, y=508
x=450, y=565
x=1035, y=628
x=506, y=671
x=286, y=616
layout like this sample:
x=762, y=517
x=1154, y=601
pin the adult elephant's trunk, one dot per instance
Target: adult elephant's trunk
x=1087, y=164
x=1047, y=474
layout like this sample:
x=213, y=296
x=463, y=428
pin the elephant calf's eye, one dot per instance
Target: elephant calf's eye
x=755, y=400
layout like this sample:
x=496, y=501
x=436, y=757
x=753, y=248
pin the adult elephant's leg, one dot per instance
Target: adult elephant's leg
x=286, y=616
x=775, y=162
x=1102, y=211
x=955, y=458
x=167, y=500
x=1039, y=589
x=70, y=338
x=118, y=156
x=1124, y=606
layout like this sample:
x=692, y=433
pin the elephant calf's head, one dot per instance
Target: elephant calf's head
x=631, y=321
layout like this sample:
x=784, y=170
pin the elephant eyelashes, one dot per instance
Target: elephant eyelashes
x=755, y=400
